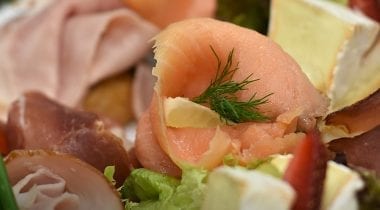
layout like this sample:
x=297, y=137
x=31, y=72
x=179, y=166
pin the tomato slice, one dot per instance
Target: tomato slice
x=306, y=172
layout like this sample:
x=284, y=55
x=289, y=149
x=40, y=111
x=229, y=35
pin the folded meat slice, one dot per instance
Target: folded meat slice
x=360, y=151
x=62, y=47
x=149, y=152
x=186, y=65
x=206, y=147
x=49, y=181
x=91, y=53
x=36, y=122
x=358, y=118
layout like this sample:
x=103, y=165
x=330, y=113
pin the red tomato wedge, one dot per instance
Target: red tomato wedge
x=306, y=172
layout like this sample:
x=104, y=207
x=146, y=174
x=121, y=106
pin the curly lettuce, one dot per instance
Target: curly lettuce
x=145, y=189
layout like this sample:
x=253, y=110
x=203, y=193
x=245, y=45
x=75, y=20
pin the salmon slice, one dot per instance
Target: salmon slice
x=204, y=148
x=186, y=65
x=149, y=152
x=164, y=12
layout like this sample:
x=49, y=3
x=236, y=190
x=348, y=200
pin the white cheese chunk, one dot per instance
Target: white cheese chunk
x=337, y=48
x=240, y=189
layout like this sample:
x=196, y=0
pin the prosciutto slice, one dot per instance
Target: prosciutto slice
x=61, y=47
x=49, y=181
x=43, y=189
x=360, y=117
x=360, y=151
x=36, y=122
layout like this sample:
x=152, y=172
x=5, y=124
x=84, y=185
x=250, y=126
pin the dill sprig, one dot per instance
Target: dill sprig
x=221, y=94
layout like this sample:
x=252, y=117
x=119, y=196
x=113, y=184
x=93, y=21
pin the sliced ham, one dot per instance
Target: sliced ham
x=62, y=47
x=49, y=181
x=36, y=122
x=116, y=44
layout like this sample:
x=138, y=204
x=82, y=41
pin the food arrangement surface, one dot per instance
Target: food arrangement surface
x=193, y=104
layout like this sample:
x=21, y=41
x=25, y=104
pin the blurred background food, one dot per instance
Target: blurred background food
x=95, y=56
x=252, y=14
x=112, y=98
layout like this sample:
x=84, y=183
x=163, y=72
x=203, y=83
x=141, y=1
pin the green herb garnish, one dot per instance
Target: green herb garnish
x=7, y=198
x=221, y=94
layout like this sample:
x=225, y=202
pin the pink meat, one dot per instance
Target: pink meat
x=65, y=46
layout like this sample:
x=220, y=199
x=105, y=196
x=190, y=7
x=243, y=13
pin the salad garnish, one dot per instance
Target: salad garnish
x=221, y=94
x=109, y=173
x=7, y=198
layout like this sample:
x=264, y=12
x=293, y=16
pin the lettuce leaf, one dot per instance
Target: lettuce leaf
x=145, y=189
x=109, y=172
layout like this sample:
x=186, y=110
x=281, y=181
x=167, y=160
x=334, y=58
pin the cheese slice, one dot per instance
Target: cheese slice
x=336, y=48
x=340, y=187
x=240, y=189
x=181, y=113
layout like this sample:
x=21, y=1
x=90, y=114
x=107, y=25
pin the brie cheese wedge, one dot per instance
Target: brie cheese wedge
x=338, y=49
x=240, y=189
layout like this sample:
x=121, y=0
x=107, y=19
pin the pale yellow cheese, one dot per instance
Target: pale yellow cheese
x=240, y=189
x=333, y=45
x=181, y=113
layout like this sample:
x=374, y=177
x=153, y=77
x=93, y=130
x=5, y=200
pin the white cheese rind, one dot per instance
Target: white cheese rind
x=241, y=189
x=333, y=45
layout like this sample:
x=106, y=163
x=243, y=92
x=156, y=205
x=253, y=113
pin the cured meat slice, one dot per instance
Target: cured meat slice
x=48, y=180
x=36, y=122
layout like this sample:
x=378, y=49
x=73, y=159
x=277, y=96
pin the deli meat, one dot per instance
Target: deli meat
x=49, y=180
x=36, y=122
x=62, y=47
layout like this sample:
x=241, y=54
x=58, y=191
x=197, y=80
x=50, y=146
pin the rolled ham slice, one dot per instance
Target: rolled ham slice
x=36, y=122
x=49, y=181
x=62, y=47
